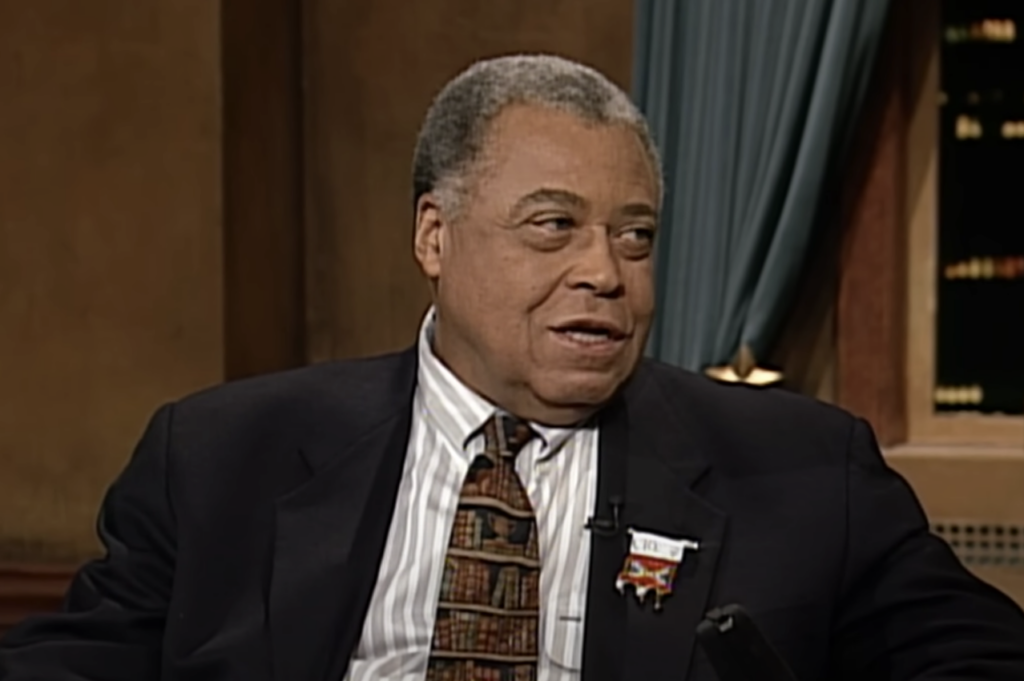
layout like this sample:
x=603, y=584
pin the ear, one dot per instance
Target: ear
x=428, y=238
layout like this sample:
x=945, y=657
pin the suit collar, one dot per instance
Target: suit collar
x=455, y=410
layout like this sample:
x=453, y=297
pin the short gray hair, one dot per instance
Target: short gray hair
x=456, y=124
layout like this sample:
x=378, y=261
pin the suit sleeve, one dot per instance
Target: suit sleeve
x=111, y=624
x=908, y=609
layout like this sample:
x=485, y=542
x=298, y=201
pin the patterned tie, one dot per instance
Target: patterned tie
x=488, y=613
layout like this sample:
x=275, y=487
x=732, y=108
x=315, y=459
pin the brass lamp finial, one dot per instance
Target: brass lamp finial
x=744, y=369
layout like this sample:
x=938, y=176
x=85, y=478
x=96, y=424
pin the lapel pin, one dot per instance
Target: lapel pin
x=651, y=564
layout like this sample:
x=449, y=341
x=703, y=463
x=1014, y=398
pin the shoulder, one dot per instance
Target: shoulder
x=738, y=402
x=738, y=422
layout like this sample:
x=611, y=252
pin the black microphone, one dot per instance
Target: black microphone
x=737, y=649
x=607, y=527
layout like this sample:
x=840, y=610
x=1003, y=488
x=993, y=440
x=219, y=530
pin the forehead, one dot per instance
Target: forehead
x=531, y=146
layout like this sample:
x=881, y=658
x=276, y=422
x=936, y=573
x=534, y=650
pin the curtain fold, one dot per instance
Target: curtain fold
x=752, y=104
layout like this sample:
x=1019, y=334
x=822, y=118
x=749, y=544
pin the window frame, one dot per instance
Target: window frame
x=888, y=294
x=924, y=425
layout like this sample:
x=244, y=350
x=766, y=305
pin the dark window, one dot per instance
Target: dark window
x=980, y=332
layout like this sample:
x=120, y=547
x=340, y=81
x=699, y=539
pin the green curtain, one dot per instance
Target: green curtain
x=752, y=104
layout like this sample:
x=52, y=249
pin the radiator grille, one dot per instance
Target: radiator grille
x=992, y=544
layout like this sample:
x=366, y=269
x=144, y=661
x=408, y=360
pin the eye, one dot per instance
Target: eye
x=636, y=242
x=555, y=223
x=639, y=234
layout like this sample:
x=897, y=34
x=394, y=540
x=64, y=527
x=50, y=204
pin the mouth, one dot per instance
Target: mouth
x=595, y=333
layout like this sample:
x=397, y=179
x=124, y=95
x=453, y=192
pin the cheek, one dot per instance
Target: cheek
x=530, y=283
x=499, y=299
x=640, y=289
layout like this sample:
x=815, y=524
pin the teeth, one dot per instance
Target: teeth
x=595, y=336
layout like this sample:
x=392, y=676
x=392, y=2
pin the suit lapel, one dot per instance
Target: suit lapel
x=663, y=461
x=329, y=539
x=605, y=626
x=660, y=643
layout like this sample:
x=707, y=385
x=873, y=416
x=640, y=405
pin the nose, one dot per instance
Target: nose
x=597, y=268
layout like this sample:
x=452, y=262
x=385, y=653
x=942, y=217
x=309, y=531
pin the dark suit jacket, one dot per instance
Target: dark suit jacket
x=245, y=535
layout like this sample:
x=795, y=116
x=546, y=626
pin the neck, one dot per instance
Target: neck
x=558, y=416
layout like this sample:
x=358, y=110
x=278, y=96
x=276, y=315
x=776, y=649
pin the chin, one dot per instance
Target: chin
x=578, y=389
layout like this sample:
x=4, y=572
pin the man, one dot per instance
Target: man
x=425, y=515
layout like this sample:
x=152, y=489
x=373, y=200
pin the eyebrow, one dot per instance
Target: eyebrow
x=568, y=198
x=639, y=210
x=548, y=195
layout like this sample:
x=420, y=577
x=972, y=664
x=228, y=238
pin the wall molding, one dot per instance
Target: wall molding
x=28, y=589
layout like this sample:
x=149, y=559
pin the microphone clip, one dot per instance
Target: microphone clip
x=607, y=527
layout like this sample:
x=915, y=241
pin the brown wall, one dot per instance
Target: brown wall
x=174, y=210
x=372, y=68
x=110, y=246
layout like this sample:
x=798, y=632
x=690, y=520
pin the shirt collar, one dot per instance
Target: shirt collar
x=457, y=411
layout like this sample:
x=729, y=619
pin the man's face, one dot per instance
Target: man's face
x=544, y=287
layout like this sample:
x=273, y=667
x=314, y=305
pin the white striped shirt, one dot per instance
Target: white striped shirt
x=559, y=471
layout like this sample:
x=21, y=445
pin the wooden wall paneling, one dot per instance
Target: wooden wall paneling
x=110, y=248
x=870, y=309
x=264, y=325
x=371, y=70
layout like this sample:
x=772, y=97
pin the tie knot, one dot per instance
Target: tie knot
x=506, y=435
